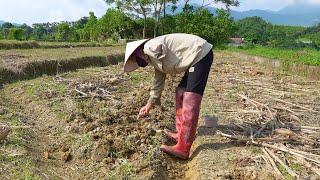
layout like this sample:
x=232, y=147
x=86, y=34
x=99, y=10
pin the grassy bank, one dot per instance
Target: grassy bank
x=302, y=56
x=13, y=44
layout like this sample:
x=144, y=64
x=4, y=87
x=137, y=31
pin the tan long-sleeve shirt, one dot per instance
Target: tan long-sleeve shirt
x=173, y=54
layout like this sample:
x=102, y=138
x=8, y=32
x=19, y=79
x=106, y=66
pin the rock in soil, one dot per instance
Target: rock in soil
x=4, y=131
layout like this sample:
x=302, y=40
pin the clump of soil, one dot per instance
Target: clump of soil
x=12, y=56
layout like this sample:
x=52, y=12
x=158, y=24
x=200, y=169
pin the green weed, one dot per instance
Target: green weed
x=135, y=77
x=285, y=173
x=126, y=170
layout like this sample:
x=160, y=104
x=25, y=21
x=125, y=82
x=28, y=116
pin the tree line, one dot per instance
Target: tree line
x=134, y=20
x=257, y=31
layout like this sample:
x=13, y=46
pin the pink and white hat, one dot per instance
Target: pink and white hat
x=130, y=63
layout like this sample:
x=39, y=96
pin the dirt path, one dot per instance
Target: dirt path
x=98, y=136
x=215, y=157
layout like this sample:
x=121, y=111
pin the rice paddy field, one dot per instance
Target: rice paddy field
x=72, y=115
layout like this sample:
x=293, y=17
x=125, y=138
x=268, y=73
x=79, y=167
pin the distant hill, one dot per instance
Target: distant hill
x=295, y=15
x=309, y=19
x=15, y=24
x=300, y=9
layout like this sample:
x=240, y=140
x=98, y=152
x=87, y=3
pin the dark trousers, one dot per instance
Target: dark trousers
x=195, y=79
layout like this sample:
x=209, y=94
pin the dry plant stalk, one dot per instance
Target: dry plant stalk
x=287, y=150
x=292, y=173
x=273, y=164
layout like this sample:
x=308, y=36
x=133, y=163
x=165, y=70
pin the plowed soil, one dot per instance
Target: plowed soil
x=82, y=125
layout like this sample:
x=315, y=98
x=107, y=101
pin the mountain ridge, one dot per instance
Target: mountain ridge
x=15, y=24
x=309, y=15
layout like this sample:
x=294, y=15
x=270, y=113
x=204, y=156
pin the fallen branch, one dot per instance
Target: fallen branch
x=287, y=150
x=84, y=94
x=287, y=109
x=309, y=127
x=283, y=101
x=21, y=127
x=273, y=164
x=292, y=173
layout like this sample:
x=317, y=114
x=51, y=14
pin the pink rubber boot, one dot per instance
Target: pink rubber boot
x=179, y=100
x=189, y=122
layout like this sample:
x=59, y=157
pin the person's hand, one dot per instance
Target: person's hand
x=144, y=110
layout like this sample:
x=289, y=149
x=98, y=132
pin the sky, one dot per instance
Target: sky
x=40, y=11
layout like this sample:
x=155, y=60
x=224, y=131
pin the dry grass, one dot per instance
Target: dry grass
x=8, y=57
x=14, y=44
x=26, y=64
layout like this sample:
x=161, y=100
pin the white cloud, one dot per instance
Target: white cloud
x=263, y=4
x=314, y=2
x=35, y=11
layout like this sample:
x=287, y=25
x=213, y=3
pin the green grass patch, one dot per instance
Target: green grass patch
x=18, y=165
x=135, y=76
x=285, y=173
x=302, y=56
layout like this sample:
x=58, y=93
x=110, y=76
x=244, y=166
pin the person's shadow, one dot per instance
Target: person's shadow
x=205, y=131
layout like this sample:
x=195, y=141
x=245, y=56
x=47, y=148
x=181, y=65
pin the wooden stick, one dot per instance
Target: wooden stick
x=85, y=94
x=273, y=164
x=287, y=109
x=292, y=173
x=306, y=153
x=260, y=104
x=309, y=127
x=283, y=101
x=287, y=150
x=308, y=139
x=21, y=127
x=308, y=131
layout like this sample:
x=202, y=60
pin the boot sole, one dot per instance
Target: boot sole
x=173, y=154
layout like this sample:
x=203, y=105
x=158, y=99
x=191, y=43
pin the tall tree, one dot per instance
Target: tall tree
x=63, y=31
x=134, y=7
x=112, y=24
x=215, y=29
x=228, y=3
x=38, y=31
x=7, y=25
x=253, y=29
x=158, y=5
x=16, y=33
x=27, y=31
x=88, y=31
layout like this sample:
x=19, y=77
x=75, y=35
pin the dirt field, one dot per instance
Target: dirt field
x=82, y=125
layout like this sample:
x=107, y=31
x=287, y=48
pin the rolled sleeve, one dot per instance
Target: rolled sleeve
x=157, y=87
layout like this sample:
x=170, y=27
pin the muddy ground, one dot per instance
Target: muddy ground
x=82, y=125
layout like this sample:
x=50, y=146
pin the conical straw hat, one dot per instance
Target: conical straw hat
x=129, y=61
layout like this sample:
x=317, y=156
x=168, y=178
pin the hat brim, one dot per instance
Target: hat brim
x=130, y=63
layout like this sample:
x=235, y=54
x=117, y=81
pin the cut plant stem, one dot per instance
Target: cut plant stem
x=292, y=173
x=273, y=164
